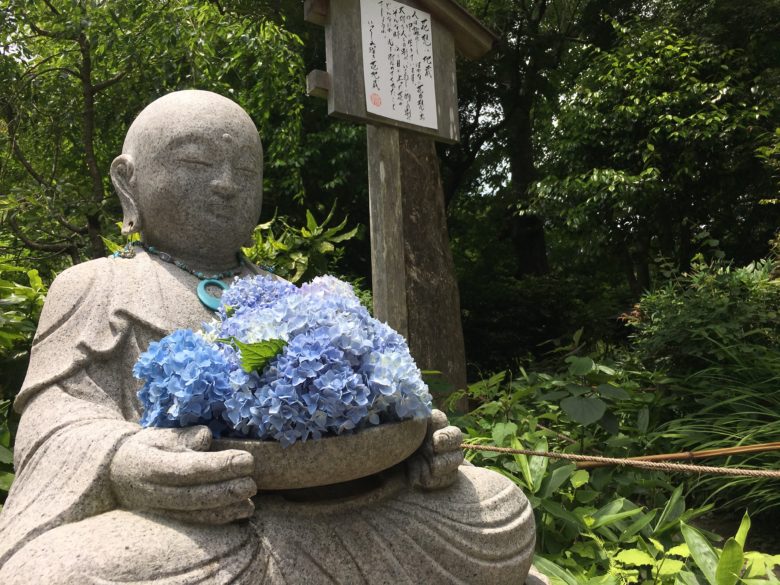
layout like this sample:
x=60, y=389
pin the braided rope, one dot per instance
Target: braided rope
x=672, y=467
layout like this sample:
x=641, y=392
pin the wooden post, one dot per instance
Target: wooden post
x=388, y=272
x=413, y=275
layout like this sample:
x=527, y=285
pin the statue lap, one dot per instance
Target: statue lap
x=477, y=531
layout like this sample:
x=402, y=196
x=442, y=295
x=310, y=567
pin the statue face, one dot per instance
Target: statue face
x=197, y=178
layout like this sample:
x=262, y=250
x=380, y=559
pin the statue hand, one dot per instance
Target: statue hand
x=435, y=465
x=169, y=472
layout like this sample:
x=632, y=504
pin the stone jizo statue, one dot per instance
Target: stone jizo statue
x=98, y=499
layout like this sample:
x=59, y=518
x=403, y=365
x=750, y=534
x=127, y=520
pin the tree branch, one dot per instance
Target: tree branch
x=98, y=87
x=67, y=225
x=51, y=7
x=47, y=33
x=33, y=245
x=44, y=71
x=26, y=164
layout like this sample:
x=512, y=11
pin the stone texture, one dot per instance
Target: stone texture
x=331, y=459
x=97, y=499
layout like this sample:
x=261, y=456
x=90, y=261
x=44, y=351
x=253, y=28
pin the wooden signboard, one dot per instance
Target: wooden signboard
x=344, y=82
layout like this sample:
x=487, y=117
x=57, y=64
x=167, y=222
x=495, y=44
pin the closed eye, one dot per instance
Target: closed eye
x=195, y=161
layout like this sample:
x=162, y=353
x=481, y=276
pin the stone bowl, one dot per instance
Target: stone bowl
x=331, y=459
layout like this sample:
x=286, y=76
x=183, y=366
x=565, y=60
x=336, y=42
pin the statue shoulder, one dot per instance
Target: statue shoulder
x=79, y=277
x=82, y=289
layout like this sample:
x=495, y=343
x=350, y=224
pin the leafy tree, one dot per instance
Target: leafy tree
x=505, y=95
x=75, y=74
x=658, y=142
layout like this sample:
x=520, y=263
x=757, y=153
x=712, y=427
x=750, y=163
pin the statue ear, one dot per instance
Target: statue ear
x=123, y=178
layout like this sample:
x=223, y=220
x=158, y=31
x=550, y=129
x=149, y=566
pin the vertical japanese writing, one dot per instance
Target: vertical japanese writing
x=398, y=62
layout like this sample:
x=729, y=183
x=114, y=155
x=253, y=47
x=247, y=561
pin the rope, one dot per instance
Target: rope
x=671, y=467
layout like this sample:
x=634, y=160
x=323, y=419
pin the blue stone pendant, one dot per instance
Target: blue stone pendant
x=210, y=301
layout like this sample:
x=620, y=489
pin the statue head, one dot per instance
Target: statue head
x=190, y=176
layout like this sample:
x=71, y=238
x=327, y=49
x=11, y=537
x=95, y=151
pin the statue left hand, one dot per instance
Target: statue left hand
x=435, y=465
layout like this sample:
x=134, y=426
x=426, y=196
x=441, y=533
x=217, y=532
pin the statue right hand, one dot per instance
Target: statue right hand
x=170, y=472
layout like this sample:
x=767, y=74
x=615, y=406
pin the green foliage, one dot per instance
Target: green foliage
x=21, y=299
x=75, y=74
x=714, y=313
x=715, y=332
x=6, y=454
x=21, y=305
x=299, y=254
x=729, y=565
x=658, y=140
x=601, y=525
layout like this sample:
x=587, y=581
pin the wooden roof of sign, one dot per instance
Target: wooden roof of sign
x=472, y=38
x=453, y=28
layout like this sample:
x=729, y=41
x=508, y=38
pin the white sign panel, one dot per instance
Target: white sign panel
x=398, y=62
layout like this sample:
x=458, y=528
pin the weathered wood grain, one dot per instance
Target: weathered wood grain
x=318, y=83
x=433, y=303
x=388, y=273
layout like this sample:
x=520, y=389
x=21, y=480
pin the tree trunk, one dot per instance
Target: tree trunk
x=433, y=301
x=526, y=230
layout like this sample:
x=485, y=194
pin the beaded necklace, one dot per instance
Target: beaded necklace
x=209, y=301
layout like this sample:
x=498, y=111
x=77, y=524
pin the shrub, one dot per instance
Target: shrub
x=715, y=313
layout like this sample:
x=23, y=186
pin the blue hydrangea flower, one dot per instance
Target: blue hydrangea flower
x=187, y=381
x=341, y=369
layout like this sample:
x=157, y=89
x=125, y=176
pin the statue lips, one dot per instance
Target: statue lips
x=222, y=209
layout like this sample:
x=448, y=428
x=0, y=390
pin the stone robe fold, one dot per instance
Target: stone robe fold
x=61, y=523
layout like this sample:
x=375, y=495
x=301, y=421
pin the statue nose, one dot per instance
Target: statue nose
x=224, y=184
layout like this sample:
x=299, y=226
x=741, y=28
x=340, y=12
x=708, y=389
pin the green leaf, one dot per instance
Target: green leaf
x=325, y=248
x=255, y=356
x=669, y=567
x=522, y=462
x=580, y=366
x=577, y=389
x=637, y=525
x=686, y=578
x=742, y=531
x=579, y=478
x=345, y=236
x=6, y=455
x=537, y=465
x=6, y=479
x=672, y=511
x=613, y=392
x=584, y=410
x=681, y=550
x=557, y=511
x=555, y=573
x=35, y=279
x=634, y=558
x=702, y=552
x=556, y=478
x=643, y=420
x=311, y=223
x=503, y=430
x=552, y=396
x=608, y=519
x=730, y=563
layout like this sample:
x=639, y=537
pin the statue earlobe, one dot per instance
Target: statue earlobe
x=123, y=178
